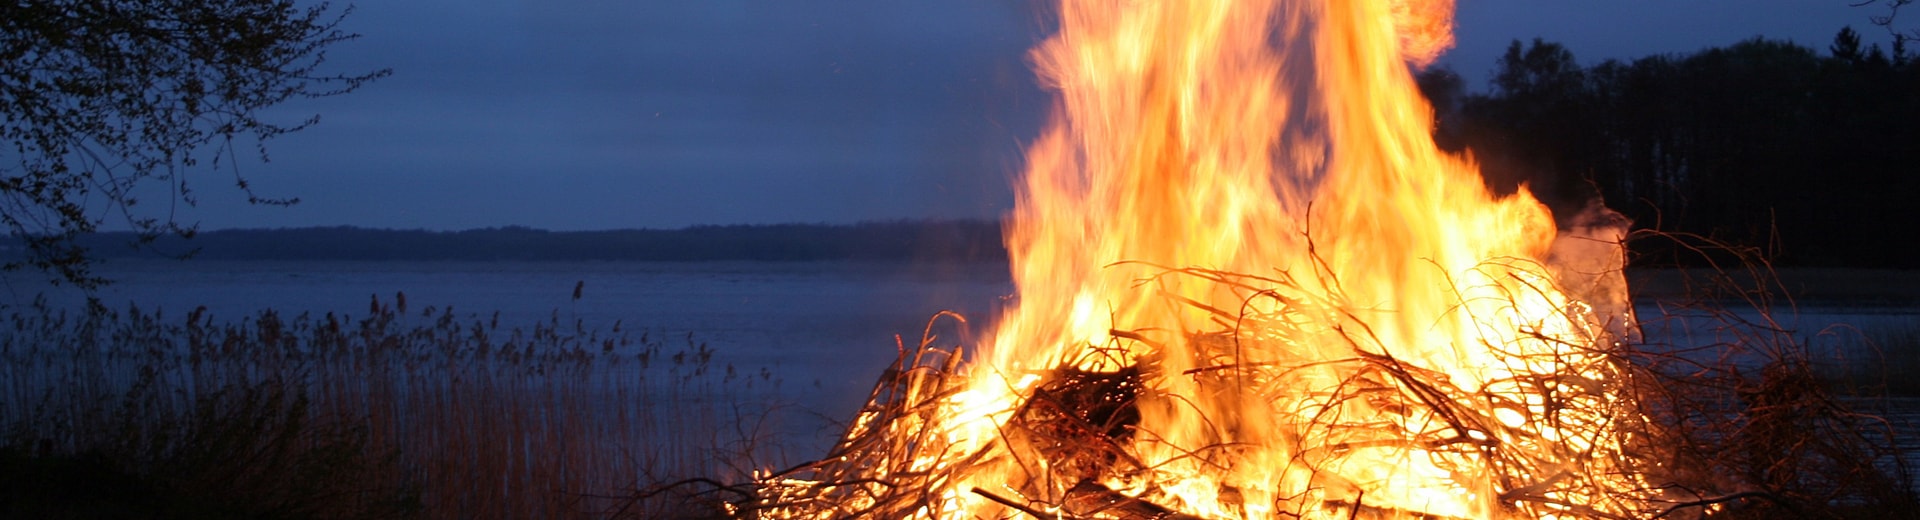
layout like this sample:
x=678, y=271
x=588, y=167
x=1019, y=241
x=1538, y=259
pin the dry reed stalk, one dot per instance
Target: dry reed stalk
x=1690, y=435
x=526, y=423
x=1747, y=420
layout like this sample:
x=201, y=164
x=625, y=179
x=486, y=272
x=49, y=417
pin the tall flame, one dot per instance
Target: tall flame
x=1340, y=318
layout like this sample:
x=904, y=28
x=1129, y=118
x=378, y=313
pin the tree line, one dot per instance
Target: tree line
x=903, y=241
x=104, y=103
x=1812, y=156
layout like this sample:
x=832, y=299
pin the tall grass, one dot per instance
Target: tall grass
x=395, y=414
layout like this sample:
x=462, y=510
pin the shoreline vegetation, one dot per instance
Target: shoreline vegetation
x=399, y=413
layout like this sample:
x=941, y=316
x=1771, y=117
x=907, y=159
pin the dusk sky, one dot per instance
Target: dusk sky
x=606, y=114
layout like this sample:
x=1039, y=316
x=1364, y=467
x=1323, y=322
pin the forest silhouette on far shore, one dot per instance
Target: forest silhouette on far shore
x=1812, y=157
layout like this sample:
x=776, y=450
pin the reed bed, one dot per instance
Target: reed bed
x=428, y=414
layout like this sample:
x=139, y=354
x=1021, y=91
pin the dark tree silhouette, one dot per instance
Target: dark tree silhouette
x=103, y=101
x=1890, y=20
x=1762, y=143
x=1534, y=129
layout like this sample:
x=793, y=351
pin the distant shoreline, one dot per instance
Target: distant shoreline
x=905, y=241
x=933, y=242
x=1799, y=285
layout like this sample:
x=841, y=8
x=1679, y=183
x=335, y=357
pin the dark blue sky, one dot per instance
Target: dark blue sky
x=600, y=114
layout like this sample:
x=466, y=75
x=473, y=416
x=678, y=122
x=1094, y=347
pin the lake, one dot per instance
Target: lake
x=827, y=330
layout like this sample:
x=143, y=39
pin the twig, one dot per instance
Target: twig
x=1724, y=499
x=1010, y=503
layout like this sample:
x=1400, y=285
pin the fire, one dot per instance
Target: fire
x=1243, y=264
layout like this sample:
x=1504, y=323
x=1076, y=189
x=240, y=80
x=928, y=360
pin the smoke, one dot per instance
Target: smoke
x=1588, y=259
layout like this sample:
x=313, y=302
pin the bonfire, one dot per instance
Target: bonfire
x=1250, y=286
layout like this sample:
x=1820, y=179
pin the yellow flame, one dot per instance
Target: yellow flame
x=1385, y=335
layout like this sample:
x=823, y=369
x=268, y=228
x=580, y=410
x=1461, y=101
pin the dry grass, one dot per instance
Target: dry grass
x=1746, y=407
x=1079, y=427
x=1732, y=422
x=426, y=414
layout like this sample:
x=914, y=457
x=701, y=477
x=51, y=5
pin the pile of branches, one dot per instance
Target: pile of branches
x=1745, y=410
x=1665, y=432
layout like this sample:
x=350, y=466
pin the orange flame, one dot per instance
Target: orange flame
x=1386, y=335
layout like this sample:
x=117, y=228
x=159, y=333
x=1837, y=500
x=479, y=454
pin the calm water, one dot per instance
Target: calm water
x=826, y=329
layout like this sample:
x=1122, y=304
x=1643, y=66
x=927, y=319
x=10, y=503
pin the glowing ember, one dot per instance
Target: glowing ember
x=1251, y=287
